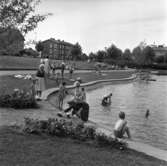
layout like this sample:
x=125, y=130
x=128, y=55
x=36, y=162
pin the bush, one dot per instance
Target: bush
x=18, y=99
x=59, y=128
x=104, y=140
x=64, y=128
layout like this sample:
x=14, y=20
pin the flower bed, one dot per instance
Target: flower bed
x=18, y=99
x=68, y=128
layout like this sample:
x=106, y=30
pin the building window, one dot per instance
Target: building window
x=50, y=51
x=50, y=45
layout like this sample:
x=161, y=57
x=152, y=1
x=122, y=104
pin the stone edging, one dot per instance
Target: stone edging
x=140, y=147
x=50, y=91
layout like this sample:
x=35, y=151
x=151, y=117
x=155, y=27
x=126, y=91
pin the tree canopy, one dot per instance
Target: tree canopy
x=20, y=14
x=76, y=52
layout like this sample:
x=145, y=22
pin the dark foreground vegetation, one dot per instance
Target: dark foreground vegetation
x=24, y=149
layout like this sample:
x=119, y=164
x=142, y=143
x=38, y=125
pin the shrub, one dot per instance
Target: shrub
x=18, y=99
x=64, y=128
x=103, y=140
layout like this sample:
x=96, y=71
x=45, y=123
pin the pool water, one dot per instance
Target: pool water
x=134, y=99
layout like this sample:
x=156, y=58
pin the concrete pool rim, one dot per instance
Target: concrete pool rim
x=47, y=93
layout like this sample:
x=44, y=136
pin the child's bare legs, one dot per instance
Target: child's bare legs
x=60, y=104
x=39, y=93
x=127, y=131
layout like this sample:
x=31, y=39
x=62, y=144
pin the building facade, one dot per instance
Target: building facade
x=56, y=49
x=159, y=50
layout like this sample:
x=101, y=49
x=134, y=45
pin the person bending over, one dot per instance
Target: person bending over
x=121, y=127
x=106, y=100
x=80, y=109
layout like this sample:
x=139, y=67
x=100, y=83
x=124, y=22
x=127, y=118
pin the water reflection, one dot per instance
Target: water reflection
x=134, y=99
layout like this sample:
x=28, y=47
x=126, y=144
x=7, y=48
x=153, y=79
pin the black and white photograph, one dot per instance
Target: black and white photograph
x=83, y=82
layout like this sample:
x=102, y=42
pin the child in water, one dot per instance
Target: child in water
x=147, y=114
x=106, y=100
x=121, y=127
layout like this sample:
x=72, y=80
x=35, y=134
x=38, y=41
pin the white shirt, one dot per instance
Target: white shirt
x=46, y=67
x=120, y=124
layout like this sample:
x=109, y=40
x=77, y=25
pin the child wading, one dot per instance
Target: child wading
x=121, y=127
x=61, y=95
x=106, y=100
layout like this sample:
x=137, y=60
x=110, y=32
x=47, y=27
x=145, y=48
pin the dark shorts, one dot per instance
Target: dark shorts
x=118, y=134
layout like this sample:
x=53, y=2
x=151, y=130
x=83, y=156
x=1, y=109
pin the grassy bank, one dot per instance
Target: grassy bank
x=10, y=82
x=28, y=63
x=23, y=149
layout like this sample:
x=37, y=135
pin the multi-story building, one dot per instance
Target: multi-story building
x=56, y=49
x=159, y=50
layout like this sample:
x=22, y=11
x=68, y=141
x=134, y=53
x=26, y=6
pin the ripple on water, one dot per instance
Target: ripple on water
x=134, y=99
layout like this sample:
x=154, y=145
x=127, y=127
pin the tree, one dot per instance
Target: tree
x=127, y=55
x=84, y=56
x=138, y=56
x=76, y=52
x=143, y=56
x=92, y=56
x=148, y=54
x=19, y=14
x=113, y=52
x=100, y=56
x=39, y=46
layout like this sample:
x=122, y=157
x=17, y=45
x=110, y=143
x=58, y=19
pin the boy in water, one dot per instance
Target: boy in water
x=106, y=100
x=121, y=127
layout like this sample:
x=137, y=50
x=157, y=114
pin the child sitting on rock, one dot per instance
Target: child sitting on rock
x=121, y=127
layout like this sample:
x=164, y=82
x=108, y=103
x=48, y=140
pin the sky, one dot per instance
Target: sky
x=97, y=24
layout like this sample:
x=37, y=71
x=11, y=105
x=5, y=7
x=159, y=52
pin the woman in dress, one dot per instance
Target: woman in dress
x=40, y=80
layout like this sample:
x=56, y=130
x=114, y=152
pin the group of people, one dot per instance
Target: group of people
x=80, y=108
x=78, y=105
x=43, y=73
x=52, y=66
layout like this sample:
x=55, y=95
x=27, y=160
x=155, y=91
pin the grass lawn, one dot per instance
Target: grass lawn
x=9, y=82
x=33, y=150
x=28, y=63
x=18, y=62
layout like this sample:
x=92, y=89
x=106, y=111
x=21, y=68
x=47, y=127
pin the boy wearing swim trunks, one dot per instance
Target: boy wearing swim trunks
x=121, y=127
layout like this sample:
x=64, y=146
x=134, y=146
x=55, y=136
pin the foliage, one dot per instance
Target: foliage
x=39, y=46
x=137, y=54
x=19, y=14
x=18, y=99
x=143, y=55
x=92, y=56
x=28, y=52
x=113, y=52
x=76, y=52
x=104, y=140
x=59, y=127
x=127, y=55
x=66, y=128
x=100, y=56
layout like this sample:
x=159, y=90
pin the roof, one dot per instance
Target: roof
x=58, y=41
